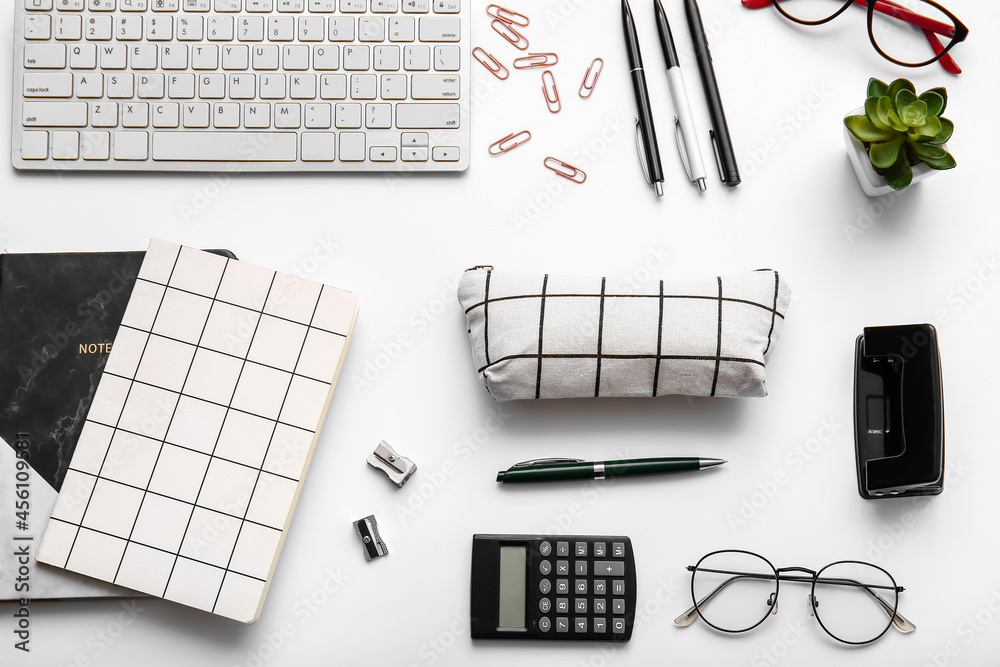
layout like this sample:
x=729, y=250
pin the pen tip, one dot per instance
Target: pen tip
x=701, y=184
x=659, y=188
x=708, y=463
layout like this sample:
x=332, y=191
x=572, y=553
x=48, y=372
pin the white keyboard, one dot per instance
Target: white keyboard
x=241, y=85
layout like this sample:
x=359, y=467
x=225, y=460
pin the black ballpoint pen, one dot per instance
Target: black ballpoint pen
x=721, y=140
x=562, y=470
x=644, y=122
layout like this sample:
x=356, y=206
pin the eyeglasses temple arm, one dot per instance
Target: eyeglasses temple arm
x=947, y=62
x=688, y=617
x=886, y=7
x=901, y=622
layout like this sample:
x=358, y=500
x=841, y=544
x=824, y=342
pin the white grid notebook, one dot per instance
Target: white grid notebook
x=187, y=471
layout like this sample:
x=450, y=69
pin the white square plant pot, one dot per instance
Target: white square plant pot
x=871, y=181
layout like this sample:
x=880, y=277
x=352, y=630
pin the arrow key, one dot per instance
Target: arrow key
x=382, y=153
x=447, y=153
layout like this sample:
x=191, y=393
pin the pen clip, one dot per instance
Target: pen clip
x=639, y=149
x=718, y=155
x=532, y=462
x=682, y=148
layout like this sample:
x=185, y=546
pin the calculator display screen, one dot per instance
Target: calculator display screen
x=513, y=567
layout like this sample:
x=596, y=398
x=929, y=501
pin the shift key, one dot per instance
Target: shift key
x=54, y=114
x=431, y=116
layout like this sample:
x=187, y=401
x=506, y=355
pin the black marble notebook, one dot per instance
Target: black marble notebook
x=59, y=313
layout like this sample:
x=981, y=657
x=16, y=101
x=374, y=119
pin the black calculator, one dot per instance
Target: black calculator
x=570, y=587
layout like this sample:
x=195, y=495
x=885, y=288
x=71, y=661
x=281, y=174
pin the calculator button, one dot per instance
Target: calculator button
x=580, y=568
x=562, y=586
x=544, y=624
x=580, y=586
x=545, y=548
x=600, y=549
x=618, y=606
x=610, y=568
x=562, y=567
x=562, y=605
x=562, y=549
x=562, y=625
x=581, y=549
x=600, y=625
x=618, y=549
x=600, y=606
x=600, y=587
x=581, y=625
x=544, y=586
x=544, y=605
x=580, y=605
x=618, y=587
x=545, y=567
x=618, y=626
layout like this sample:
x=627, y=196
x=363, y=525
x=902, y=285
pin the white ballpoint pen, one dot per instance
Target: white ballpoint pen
x=687, y=137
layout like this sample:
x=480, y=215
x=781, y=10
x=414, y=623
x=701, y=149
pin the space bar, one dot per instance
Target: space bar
x=225, y=146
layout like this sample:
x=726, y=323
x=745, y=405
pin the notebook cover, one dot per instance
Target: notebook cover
x=59, y=313
x=193, y=453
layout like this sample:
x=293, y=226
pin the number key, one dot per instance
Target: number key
x=562, y=605
x=600, y=587
x=600, y=606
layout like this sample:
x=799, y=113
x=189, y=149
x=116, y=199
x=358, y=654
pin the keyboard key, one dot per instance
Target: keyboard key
x=562, y=625
x=618, y=587
x=287, y=116
x=348, y=116
x=420, y=155
x=562, y=605
x=580, y=625
x=48, y=85
x=544, y=624
x=386, y=58
x=544, y=586
x=225, y=146
x=257, y=116
x=319, y=116
x=37, y=5
x=341, y=29
x=98, y=28
x=429, y=116
x=302, y=87
x=437, y=87
x=38, y=27
x=34, y=145
x=580, y=586
x=600, y=606
x=618, y=606
x=135, y=114
x=600, y=587
x=618, y=626
x=242, y=86
x=409, y=140
x=446, y=153
x=562, y=585
x=151, y=86
x=544, y=605
x=447, y=58
x=326, y=57
x=387, y=154
x=44, y=56
x=580, y=568
x=65, y=145
x=364, y=86
x=356, y=57
x=385, y=6
x=416, y=140
x=333, y=86
x=447, y=6
x=226, y=115
x=580, y=605
x=600, y=625
x=394, y=88
x=196, y=115
x=167, y=115
x=402, y=29
x=131, y=146
x=378, y=116
x=318, y=146
x=96, y=145
x=618, y=549
x=69, y=27
x=440, y=29
x=54, y=114
x=416, y=6
x=352, y=146
x=600, y=549
x=417, y=58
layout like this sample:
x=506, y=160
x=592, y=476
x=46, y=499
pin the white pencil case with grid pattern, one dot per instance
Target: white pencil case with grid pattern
x=550, y=336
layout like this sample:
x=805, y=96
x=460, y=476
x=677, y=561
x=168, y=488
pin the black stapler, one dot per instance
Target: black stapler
x=898, y=412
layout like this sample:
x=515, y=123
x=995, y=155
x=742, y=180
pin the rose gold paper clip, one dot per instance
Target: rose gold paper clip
x=507, y=15
x=536, y=60
x=490, y=62
x=593, y=72
x=507, y=31
x=510, y=142
x=551, y=98
x=565, y=170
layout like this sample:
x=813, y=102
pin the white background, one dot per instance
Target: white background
x=400, y=244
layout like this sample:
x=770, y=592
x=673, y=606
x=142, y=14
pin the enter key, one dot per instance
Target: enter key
x=435, y=86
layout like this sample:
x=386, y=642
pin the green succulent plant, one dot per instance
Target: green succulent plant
x=901, y=129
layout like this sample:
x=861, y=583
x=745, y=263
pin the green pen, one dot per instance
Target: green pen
x=559, y=470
